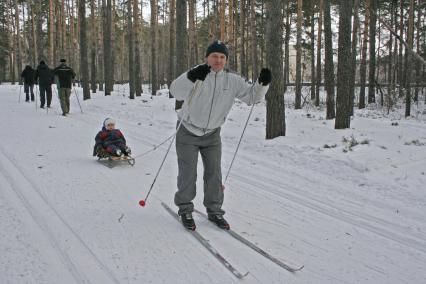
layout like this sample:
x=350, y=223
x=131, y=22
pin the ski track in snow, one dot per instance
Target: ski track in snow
x=18, y=181
x=307, y=201
x=268, y=185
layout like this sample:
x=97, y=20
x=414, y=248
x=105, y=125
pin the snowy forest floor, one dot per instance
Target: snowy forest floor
x=348, y=204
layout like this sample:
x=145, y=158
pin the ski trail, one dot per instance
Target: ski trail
x=361, y=221
x=29, y=194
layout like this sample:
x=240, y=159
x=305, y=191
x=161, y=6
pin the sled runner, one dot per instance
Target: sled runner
x=111, y=161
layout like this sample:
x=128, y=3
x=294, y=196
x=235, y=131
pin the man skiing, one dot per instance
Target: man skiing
x=28, y=74
x=44, y=76
x=204, y=110
x=65, y=76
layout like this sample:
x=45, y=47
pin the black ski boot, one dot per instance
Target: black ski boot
x=219, y=221
x=188, y=221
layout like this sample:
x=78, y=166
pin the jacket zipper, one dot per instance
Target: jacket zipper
x=211, y=106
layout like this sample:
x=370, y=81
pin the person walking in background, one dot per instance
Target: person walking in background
x=204, y=110
x=44, y=76
x=65, y=76
x=28, y=74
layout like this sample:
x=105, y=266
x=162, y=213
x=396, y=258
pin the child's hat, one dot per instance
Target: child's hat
x=108, y=121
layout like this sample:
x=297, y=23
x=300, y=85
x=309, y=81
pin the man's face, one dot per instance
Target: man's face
x=216, y=60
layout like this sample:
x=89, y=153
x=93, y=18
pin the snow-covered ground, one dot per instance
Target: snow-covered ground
x=349, y=214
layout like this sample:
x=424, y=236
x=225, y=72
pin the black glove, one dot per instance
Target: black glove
x=198, y=73
x=265, y=76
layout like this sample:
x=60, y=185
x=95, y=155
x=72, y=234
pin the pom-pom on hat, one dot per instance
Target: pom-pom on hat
x=217, y=46
x=108, y=121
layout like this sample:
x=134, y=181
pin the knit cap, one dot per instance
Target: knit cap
x=108, y=121
x=217, y=46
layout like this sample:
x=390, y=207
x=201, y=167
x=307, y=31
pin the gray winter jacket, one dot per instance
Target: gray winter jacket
x=213, y=99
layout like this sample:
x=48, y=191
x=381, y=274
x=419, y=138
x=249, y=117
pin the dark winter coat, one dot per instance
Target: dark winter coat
x=65, y=75
x=29, y=75
x=44, y=75
x=106, y=137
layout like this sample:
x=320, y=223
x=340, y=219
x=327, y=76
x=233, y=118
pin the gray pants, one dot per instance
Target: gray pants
x=209, y=146
x=64, y=98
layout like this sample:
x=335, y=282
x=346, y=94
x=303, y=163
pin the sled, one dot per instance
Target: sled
x=111, y=161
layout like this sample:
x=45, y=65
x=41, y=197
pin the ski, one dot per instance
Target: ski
x=208, y=246
x=256, y=248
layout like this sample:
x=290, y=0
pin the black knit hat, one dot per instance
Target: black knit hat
x=63, y=60
x=217, y=46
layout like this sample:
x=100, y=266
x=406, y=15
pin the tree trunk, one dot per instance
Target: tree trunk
x=410, y=39
x=312, y=36
x=232, y=38
x=353, y=56
x=39, y=31
x=130, y=42
x=363, y=63
x=172, y=40
x=418, y=44
x=137, y=60
x=298, y=102
x=254, y=51
x=181, y=37
x=343, y=72
x=318, y=73
x=328, y=64
x=84, y=66
x=243, y=62
x=275, y=112
x=33, y=37
x=372, y=62
x=191, y=33
x=93, y=47
x=286, y=46
x=107, y=48
x=154, y=78
x=100, y=74
x=18, y=42
x=51, y=31
x=222, y=20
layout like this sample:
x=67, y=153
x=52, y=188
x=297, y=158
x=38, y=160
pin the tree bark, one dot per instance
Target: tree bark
x=298, y=101
x=318, y=76
x=328, y=64
x=312, y=36
x=93, y=47
x=137, y=60
x=154, y=77
x=372, y=62
x=254, y=51
x=343, y=72
x=84, y=66
x=243, y=62
x=172, y=40
x=130, y=46
x=275, y=112
x=18, y=42
x=181, y=37
x=353, y=57
x=363, y=63
x=410, y=39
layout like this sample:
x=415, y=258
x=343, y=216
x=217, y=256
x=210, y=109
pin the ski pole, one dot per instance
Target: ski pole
x=238, y=145
x=20, y=90
x=142, y=202
x=75, y=92
x=35, y=94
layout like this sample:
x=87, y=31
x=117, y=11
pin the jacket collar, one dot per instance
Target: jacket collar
x=220, y=72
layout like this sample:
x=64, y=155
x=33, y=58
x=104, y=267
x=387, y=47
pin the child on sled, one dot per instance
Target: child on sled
x=110, y=141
